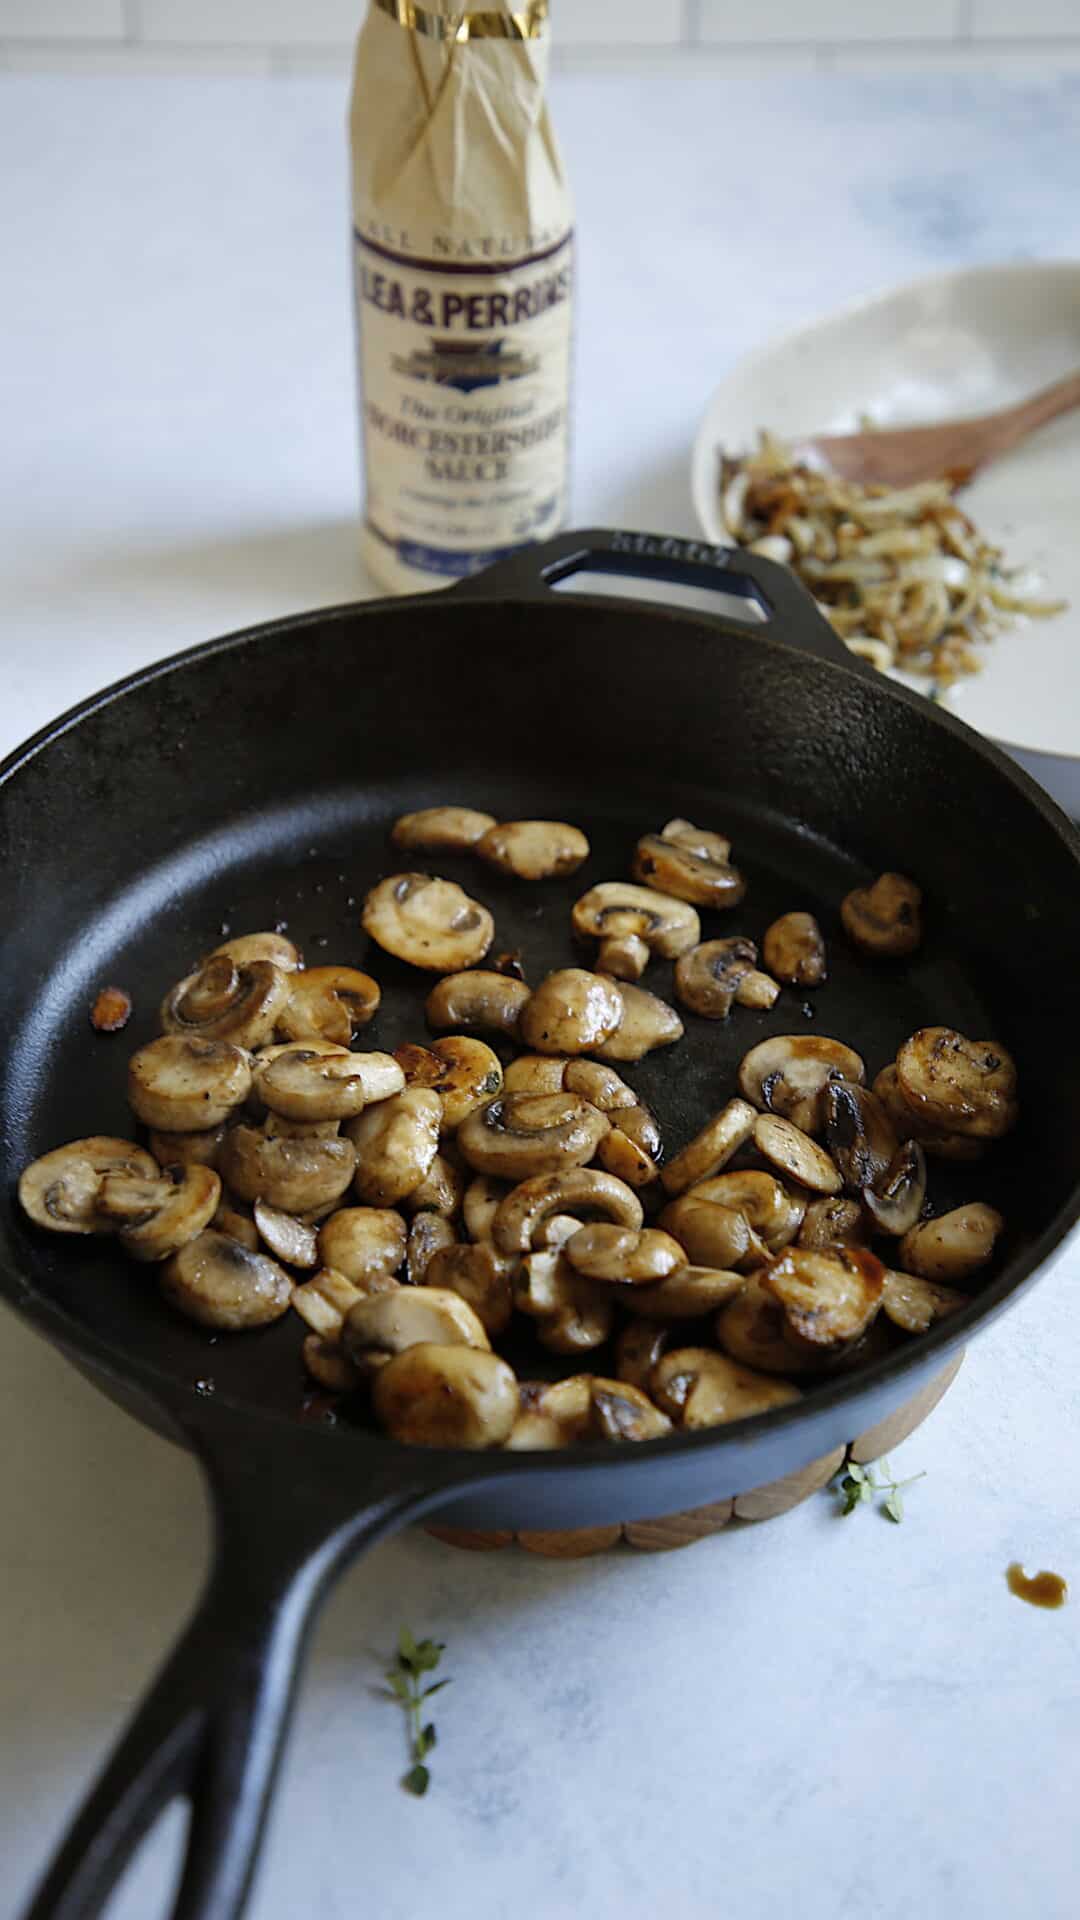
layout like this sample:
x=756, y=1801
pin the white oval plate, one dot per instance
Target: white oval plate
x=960, y=343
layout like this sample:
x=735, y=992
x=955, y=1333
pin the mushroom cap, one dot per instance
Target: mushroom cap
x=477, y=1000
x=712, y=1235
x=519, y=1134
x=396, y=1142
x=706, y=978
x=960, y=1085
x=788, y=1073
x=287, y=1238
x=793, y=1153
x=187, y=1149
x=328, y=1366
x=834, y=1220
x=884, y=919
x=480, y=1204
x=61, y=1190
x=687, y=1294
x=599, y=1084
x=794, y=950
x=631, y=1151
x=936, y=1141
x=329, y=1003
x=711, y=1149
x=572, y=1315
x=386, y=1323
x=540, y=1073
x=770, y=1208
x=464, y=1072
x=246, y=947
x=429, y=1233
x=954, y=1245
x=442, y=1188
x=628, y=1255
x=222, y=1001
x=689, y=872
x=571, y=1011
x=533, y=849
x=363, y=1242
x=480, y=1276
x=750, y=1329
x=157, y=1217
x=435, y=1396
x=432, y=924
x=829, y=1295
x=180, y=1084
x=297, y=1175
x=441, y=829
x=647, y=1023
x=303, y=1084
x=615, y=908
x=699, y=1387
x=577, y=1191
x=222, y=1284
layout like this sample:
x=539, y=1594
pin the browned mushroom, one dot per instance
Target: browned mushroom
x=520, y=1134
x=222, y=1001
x=463, y=1071
x=380, y=1325
x=788, y=1073
x=637, y=1350
x=599, y=1084
x=858, y=1134
x=909, y=1124
x=156, y=1217
x=430, y=923
x=711, y=977
x=954, y=1245
x=571, y=1011
x=631, y=1151
x=689, y=1293
x=689, y=863
x=481, y=1277
x=533, y=849
x=884, y=920
x=288, y=1239
x=771, y=1209
x=298, y=1175
x=362, y=1242
x=578, y=1192
x=234, y=1218
x=539, y=1073
x=895, y=1202
x=328, y=1366
x=750, y=1328
x=834, y=1221
x=179, y=1085
x=223, y=1285
x=395, y=1143
x=187, y=1149
x=915, y=1304
x=585, y=1409
x=794, y=950
x=246, y=947
x=647, y=1023
x=439, y=1396
x=477, y=1001
x=698, y=1387
x=632, y=922
x=960, y=1085
x=829, y=1296
x=628, y=1255
x=711, y=1149
x=323, y=1301
x=441, y=1190
x=441, y=829
x=302, y=1084
x=62, y=1189
x=429, y=1233
x=712, y=1235
x=329, y=1003
x=480, y=1205
x=572, y=1314
x=793, y=1153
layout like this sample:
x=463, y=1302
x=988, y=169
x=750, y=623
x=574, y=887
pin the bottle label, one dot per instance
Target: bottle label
x=464, y=382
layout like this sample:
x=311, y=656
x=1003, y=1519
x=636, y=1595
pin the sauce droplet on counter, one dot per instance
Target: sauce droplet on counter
x=1038, y=1589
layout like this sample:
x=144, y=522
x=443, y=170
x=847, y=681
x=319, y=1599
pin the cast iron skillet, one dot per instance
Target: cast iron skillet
x=253, y=780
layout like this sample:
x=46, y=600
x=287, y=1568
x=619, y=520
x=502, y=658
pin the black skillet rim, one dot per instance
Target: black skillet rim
x=125, y=1370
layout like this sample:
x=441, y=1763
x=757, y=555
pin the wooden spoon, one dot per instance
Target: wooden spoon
x=899, y=456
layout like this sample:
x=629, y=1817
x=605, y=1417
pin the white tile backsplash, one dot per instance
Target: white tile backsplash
x=251, y=22
x=828, y=20
x=1023, y=19
x=62, y=19
x=634, y=23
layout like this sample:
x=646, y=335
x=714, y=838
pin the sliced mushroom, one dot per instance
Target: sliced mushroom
x=637, y=1350
x=884, y=920
x=520, y=1134
x=631, y=1151
x=328, y=1366
x=429, y=1233
x=431, y=923
x=572, y=1315
x=689, y=1293
x=750, y=1328
x=222, y=1001
x=222, y=1284
x=708, y=977
x=788, y=1074
x=383, y=1324
x=157, y=1217
x=829, y=1296
x=632, y=922
x=329, y=1003
x=555, y=1231
x=598, y=1084
x=539, y=1073
x=584, y=1409
x=579, y=1191
x=275, y=1126
x=698, y=1387
x=794, y=950
x=793, y=1153
x=647, y=1023
x=909, y=1124
x=533, y=849
x=915, y=1304
x=711, y=1149
x=247, y=947
x=954, y=1245
x=441, y=829
x=232, y=1220
x=288, y=1239
x=187, y=1086
x=481, y=1277
x=440, y=1191
x=395, y=1143
x=622, y=1412
x=477, y=1001
x=362, y=1242
x=323, y=1302
x=766, y=1205
x=187, y=1149
x=301, y=1084
x=896, y=1201
x=758, y=990
x=438, y=1396
x=712, y=1235
x=833, y=1221
x=571, y=1011
x=480, y=1205
x=858, y=1134
x=631, y=1256
x=464, y=1072
x=61, y=1191
x=694, y=866
x=297, y=1175
x=960, y=1085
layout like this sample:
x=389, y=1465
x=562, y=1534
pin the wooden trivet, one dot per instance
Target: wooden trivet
x=762, y=1503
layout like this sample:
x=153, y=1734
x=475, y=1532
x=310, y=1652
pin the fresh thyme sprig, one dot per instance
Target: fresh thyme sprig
x=414, y=1659
x=856, y=1485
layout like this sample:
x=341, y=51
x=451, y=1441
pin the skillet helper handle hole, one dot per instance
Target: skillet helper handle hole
x=735, y=589
x=213, y=1725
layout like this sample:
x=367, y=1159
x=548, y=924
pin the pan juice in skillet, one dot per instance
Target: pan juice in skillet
x=566, y=1136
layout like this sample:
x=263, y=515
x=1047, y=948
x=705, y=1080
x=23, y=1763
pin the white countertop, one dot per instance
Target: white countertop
x=839, y=1719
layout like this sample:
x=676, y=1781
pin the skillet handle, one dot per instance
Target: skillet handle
x=777, y=603
x=213, y=1725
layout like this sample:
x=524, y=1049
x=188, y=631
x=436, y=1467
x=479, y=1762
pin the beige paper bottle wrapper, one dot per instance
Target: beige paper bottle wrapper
x=463, y=268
